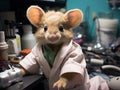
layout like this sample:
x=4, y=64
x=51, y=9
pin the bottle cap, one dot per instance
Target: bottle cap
x=3, y=44
x=2, y=36
x=27, y=28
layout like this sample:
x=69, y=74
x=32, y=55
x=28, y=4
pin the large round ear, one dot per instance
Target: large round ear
x=73, y=18
x=34, y=14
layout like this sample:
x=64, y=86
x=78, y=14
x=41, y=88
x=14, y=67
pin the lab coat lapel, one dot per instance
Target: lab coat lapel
x=61, y=55
x=43, y=63
x=58, y=60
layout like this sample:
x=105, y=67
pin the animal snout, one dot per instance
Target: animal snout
x=53, y=38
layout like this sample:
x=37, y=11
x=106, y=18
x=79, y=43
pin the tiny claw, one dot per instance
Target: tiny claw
x=61, y=83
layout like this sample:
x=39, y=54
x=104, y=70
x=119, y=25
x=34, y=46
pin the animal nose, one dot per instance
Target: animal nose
x=53, y=37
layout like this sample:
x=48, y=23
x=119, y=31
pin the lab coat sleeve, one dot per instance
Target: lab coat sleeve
x=75, y=63
x=29, y=63
x=98, y=83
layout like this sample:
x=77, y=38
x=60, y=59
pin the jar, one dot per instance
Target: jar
x=3, y=47
x=28, y=38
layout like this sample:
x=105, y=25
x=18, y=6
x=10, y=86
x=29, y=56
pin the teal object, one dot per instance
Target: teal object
x=95, y=6
x=49, y=54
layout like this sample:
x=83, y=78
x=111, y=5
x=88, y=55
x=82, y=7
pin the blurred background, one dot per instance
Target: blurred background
x=89, y=9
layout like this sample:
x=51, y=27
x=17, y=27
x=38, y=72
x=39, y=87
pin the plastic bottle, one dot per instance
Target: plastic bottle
x=18, y=40
x=11, y=41
x=3, y=51
x=28, y=39
x=12, y=49
x=3, y=47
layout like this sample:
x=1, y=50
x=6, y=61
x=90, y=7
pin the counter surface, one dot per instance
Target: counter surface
x=30, y=82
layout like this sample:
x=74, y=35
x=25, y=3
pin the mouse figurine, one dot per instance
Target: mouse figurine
x=56, y=54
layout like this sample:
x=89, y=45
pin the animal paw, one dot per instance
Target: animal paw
x=61, y=83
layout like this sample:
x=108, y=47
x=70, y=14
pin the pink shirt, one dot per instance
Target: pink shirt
x=69, y=59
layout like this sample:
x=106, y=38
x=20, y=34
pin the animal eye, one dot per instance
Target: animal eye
x=45, y=28
x=61, y=28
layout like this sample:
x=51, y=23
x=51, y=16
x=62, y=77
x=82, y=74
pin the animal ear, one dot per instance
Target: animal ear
x=73, y=18
x=34, y=14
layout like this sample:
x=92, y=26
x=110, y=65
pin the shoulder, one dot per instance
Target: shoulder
x=75, y=45
x=36, y=49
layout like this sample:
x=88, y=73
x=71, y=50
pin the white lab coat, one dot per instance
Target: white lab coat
x=69, y=59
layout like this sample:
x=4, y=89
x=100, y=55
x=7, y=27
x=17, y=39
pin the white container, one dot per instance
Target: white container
x=28, y=38
x=18, y=40
x=108, y=28
x=111, y=24
x=3, y=47
x=12, y=47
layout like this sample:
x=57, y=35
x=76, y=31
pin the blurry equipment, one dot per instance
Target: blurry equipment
x=24, y=52
x=114, y=4
x=7, y=15
x=98, y=45
x=106, y=27
x=3, y=46
x=10, y=76
x=81, y=30
x=11, y=39
x=103, y=60
x=105, y=63
x=116, y=46
x=3, y=50
x=111, y=70
x=28, y=39
x=114, y=83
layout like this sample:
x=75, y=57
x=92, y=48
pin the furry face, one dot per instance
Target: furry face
x=53, y=27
